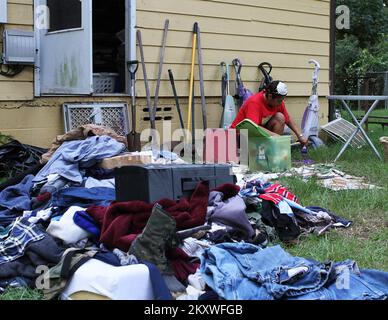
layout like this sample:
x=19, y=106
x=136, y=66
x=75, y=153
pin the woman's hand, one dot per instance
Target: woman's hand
x=303, y=140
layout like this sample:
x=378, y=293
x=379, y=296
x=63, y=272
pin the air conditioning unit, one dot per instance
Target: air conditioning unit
x=3, y=11
x=18, y=47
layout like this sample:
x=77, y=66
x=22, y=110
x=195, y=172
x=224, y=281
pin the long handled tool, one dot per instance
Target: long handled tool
x=224, y=84
x=176, y=101
x=147, y=88
x=192, y=76
x=133, y=137
x=266, y=74
x=161, y=61
x=230, y=110
x=193, y=142
x=241, y=92
x=201, y=81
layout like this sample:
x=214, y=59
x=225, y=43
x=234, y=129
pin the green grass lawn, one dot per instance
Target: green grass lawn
x=21, y=294
x=359, y=113
x=366, y=241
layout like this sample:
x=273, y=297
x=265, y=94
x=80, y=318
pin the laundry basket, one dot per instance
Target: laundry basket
x=384, y=142
x=105, y=82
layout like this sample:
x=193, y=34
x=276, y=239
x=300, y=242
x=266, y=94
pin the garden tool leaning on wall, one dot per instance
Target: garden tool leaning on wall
x=201, y=79
x=189, y=106
x=177, y=104
x=161, y=62
x=133, y=137
x=147, y=88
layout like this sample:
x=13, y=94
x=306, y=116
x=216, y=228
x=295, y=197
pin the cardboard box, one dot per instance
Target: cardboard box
x=125, y=160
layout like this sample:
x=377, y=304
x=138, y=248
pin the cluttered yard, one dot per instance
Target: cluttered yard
x=252, y=201
x=364, y=242
x=367, y=240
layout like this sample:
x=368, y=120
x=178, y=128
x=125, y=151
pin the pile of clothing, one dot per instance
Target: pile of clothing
x=280, y=209
x=64, y=218
x=61, y=231
x=37, y=214
x=17, y=159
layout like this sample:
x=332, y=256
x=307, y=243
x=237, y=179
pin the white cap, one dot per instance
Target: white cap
x=282, y=89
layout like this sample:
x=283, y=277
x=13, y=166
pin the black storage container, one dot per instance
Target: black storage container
x=151, y=183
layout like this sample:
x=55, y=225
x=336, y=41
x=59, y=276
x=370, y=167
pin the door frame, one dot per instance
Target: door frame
x=37, y=51
x=130, y=36
x=130, y=48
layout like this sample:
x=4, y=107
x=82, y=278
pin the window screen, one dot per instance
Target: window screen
x=64, y=14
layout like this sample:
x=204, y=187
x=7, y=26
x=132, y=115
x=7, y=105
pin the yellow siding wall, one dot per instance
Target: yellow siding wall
x=20, y=16
x=283, y=32
x=39, y=121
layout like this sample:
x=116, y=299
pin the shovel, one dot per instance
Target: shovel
x=133, y=138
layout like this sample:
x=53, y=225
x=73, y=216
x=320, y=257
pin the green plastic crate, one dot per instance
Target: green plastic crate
x=269, y=154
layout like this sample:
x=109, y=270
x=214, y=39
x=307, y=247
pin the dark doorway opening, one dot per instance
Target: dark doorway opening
x=109, y=46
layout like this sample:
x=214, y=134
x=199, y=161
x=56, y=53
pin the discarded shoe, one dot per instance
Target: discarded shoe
x=157, y=236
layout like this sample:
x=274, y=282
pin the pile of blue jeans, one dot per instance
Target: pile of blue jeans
x=242, y=271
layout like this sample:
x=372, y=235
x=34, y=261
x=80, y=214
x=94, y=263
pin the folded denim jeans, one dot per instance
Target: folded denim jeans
x=241, y=271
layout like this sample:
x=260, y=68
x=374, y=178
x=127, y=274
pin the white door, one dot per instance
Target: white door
x=66, y=48
x=3, y=11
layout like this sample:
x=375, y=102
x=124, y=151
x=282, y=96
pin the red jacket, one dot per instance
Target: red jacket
x=257, y=109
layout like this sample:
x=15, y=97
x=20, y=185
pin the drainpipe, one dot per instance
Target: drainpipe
x=333, y=6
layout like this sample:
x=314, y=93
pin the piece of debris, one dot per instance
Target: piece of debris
x=332, y=178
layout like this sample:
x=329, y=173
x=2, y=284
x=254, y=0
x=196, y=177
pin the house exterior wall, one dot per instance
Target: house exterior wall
x=284, y=33
x=20, y=16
